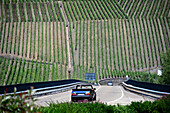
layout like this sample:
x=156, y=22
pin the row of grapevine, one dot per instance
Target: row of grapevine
x=92, y=10
x=16, y=71
x=34, y=40
x=137, y=9
x=115, y=44
x=31, y=11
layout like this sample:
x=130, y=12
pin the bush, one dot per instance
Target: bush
x=25, y=103
x=135, y=107
x=17, y=103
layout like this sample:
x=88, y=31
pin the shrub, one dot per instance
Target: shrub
x=17, y=103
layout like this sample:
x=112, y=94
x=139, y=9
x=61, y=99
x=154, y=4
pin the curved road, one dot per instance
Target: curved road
x=107, y=94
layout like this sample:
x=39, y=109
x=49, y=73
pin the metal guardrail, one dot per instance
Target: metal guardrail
x=43, y=88
x=144, y=91
x=55, y=89
x=47, y=90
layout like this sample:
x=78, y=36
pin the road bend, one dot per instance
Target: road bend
x=110, y=95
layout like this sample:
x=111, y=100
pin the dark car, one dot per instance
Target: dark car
x=82, y=92
x=110, y=83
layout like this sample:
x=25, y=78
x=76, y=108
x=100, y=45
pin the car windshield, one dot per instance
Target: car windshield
x=84, y=87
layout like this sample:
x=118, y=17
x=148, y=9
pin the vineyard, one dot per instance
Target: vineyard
x=42, y=40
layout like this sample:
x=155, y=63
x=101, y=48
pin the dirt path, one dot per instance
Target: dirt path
x=68, y=50
x=63, y=43
x=73, y=32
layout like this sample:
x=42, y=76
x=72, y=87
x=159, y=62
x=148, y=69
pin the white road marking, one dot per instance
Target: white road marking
x=117, y=98
x=98, y=87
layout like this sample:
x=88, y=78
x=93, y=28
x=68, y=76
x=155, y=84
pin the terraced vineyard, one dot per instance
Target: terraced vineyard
x=44, y=40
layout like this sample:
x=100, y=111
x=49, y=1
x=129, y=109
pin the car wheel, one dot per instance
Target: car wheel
x=94, y=98
x=73, y=100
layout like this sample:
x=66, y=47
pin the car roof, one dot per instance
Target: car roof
x=84, y=85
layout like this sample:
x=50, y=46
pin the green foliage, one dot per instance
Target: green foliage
x=159, y=106
x=165, y=78
x=18, y=103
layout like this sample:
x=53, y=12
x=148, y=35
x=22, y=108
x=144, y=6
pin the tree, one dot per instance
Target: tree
x=165, y=78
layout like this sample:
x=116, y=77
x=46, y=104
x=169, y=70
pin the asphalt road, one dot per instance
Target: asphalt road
x=106, y=94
